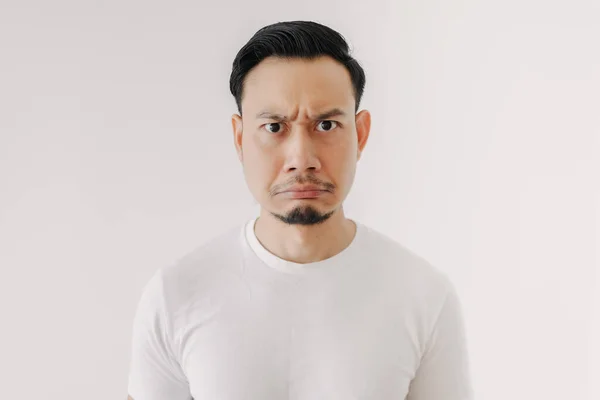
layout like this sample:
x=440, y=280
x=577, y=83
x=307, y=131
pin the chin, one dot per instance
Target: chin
x=303, y=214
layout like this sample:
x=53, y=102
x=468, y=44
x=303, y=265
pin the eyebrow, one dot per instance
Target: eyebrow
x=335, y=112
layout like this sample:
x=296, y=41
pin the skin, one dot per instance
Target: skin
x=284, y=139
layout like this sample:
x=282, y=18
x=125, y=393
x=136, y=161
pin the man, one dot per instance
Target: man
x=300, y=303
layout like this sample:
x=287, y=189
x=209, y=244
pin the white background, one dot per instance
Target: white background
x=117, y=157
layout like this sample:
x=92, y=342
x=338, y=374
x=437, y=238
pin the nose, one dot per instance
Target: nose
x=301, y=154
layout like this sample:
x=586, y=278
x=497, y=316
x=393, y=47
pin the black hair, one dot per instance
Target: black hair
x=294, y=39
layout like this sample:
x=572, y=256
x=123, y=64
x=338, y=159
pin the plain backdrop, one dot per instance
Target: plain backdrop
x=117, y=157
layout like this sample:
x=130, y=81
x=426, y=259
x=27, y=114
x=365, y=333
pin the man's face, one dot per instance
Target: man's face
x=299, y=128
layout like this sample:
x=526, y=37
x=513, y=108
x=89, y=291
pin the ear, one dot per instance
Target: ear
x=363, y=128
x=236, y=124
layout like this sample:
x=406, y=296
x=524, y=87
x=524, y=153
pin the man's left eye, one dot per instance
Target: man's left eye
x=328, y=125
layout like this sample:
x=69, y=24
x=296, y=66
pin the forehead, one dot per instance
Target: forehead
x=285, y=84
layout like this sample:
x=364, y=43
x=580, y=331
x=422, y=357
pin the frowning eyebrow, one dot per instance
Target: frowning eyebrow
x=336, y=112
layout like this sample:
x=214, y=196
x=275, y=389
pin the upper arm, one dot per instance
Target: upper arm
x=444, y=369
x=155, y=372
x=129, y=398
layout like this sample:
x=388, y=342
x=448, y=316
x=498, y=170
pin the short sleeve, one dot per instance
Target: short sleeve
x=154, y=372
x=444, y=371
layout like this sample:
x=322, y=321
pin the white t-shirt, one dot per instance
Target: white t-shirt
x=232, y=321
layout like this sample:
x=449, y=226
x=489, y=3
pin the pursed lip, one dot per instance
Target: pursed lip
x=309, y=188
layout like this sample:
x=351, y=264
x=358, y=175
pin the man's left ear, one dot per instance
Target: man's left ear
x=363, y=128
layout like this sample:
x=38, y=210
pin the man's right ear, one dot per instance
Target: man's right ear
x=236, y=124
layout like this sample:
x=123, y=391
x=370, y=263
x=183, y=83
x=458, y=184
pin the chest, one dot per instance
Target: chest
x=265, y=346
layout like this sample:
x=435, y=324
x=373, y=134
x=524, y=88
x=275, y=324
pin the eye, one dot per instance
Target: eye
x=328, y=125
x=273, y=127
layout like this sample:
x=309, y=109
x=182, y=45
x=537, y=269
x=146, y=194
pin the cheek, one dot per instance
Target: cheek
x=343, y=154
x=348, y=164
x=339, y=165
x=260, y=168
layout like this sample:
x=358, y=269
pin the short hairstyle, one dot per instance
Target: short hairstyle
x=294, y=39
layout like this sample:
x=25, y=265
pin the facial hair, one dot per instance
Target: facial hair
x=303, y=215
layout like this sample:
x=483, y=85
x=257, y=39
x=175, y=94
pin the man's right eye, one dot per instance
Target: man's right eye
x=273, y=127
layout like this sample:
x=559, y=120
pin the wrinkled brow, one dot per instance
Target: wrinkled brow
x=282, y=118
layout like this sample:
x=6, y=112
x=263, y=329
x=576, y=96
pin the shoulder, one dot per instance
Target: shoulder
x=417, y=276
x=197, y=272
x=420, y=289
x=208, y=261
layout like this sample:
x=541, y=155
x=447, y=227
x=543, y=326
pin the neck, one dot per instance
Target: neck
x=305, y=243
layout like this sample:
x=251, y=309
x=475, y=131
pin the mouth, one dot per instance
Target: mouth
x=304, y=194
x=304, y=188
